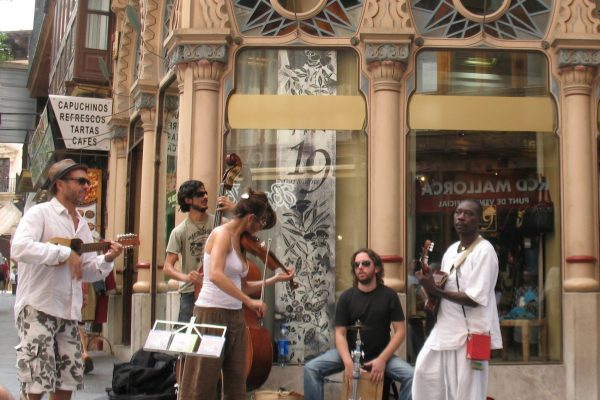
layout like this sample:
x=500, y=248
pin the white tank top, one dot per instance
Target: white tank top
x=211, y=295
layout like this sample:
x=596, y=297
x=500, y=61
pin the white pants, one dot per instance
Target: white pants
x=447, y=375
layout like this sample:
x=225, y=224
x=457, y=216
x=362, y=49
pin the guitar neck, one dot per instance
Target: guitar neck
x=89, y=247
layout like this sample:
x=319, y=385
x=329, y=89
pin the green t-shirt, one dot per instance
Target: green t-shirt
x=187, y=240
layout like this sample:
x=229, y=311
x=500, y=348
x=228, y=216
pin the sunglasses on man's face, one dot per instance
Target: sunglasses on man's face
x=200, y=193
x=365, y=263
x=81, y=181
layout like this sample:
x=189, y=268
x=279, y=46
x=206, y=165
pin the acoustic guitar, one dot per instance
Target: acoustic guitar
x=439, y=277
x=127, y=240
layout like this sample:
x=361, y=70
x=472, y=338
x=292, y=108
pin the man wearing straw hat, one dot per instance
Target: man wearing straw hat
x=49, y=296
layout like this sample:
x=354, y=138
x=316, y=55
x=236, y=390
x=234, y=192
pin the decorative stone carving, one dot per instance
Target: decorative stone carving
x=573, y=57
x=144, y=100
x=387, y=71
x=577, y=17
x=148, y=67
x=119, y=132
x=386, y=52
x=120, y=146
x=387, y=62
x=578, y=68
x=210, y=14
x=123, y=70
x=187, y=53
x=387, y=15
x=171, y=103
x=118, y=5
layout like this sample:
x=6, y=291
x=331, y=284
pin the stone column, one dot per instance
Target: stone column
x=116, y=190
x=199, y=69
x=386, y=63
x=581, y=303
x=578, y=69
x=145, y=106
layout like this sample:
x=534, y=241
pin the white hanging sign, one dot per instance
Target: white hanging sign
x=83, y=121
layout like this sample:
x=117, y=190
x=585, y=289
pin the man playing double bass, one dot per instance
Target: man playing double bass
x=377, y=307
x=186, y=242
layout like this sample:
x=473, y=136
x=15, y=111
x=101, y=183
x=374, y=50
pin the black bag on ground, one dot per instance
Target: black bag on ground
x=149, y=375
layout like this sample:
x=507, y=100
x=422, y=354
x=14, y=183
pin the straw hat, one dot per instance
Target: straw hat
x=61, y=168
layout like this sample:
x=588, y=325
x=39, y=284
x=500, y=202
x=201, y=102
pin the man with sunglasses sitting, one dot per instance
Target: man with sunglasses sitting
x=375, y=306
x=187, y=241
x=49, y=296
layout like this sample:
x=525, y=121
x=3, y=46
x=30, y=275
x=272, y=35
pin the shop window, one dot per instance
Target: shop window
x=297, y=118
x=508, y=168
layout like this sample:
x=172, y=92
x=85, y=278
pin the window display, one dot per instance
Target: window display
x=515, y=176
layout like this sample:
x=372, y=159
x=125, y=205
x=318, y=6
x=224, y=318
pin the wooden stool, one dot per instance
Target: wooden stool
x=366, y=390
x=525, y=325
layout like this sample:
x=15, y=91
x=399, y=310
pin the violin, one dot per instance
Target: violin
x=254, y=246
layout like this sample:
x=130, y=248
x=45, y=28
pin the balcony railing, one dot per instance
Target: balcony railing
x=7, y=185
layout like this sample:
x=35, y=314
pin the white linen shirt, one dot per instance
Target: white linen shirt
x=45, y=281
x=477, y=278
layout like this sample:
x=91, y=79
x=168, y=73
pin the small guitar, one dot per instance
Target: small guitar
x=127, y=240
x=439, y=277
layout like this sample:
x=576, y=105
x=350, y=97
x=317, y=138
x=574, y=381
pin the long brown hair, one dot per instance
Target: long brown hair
x=375, y=259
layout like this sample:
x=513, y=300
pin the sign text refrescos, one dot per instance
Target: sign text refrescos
x=83, y=121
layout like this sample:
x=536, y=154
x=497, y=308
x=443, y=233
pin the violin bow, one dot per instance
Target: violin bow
x=262, y=288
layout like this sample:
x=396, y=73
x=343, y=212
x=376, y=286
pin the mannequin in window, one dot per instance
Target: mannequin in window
x=525, y=307
x=525, y=303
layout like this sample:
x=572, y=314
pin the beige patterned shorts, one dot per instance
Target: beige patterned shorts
x=49, y=354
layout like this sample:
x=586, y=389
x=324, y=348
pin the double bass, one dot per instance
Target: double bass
x=259, y=351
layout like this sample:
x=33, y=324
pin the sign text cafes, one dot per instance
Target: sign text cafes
x=83, y=121
x=443, y=195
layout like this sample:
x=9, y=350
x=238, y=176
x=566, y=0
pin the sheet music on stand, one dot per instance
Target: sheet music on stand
x=186, y=338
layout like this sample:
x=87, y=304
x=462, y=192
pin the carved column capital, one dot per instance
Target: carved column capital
x=144, y=100
x=188, y=53
x=171, y=103
x=578, y=79
x=145, y=107
x=147, y=116
x=120, y=144
x=386, y=63
x=386, y=52
x=206, y=74
x=119, y=132
x=573, y=57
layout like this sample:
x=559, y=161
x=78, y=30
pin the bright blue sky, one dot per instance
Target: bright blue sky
x=16, y=15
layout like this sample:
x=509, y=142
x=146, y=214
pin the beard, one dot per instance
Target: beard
x=367, y=280
x=201, y=209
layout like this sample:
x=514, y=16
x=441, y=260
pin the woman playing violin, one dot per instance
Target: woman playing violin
x=223, y=293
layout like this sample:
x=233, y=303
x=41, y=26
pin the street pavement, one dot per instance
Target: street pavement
x=95, y=382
